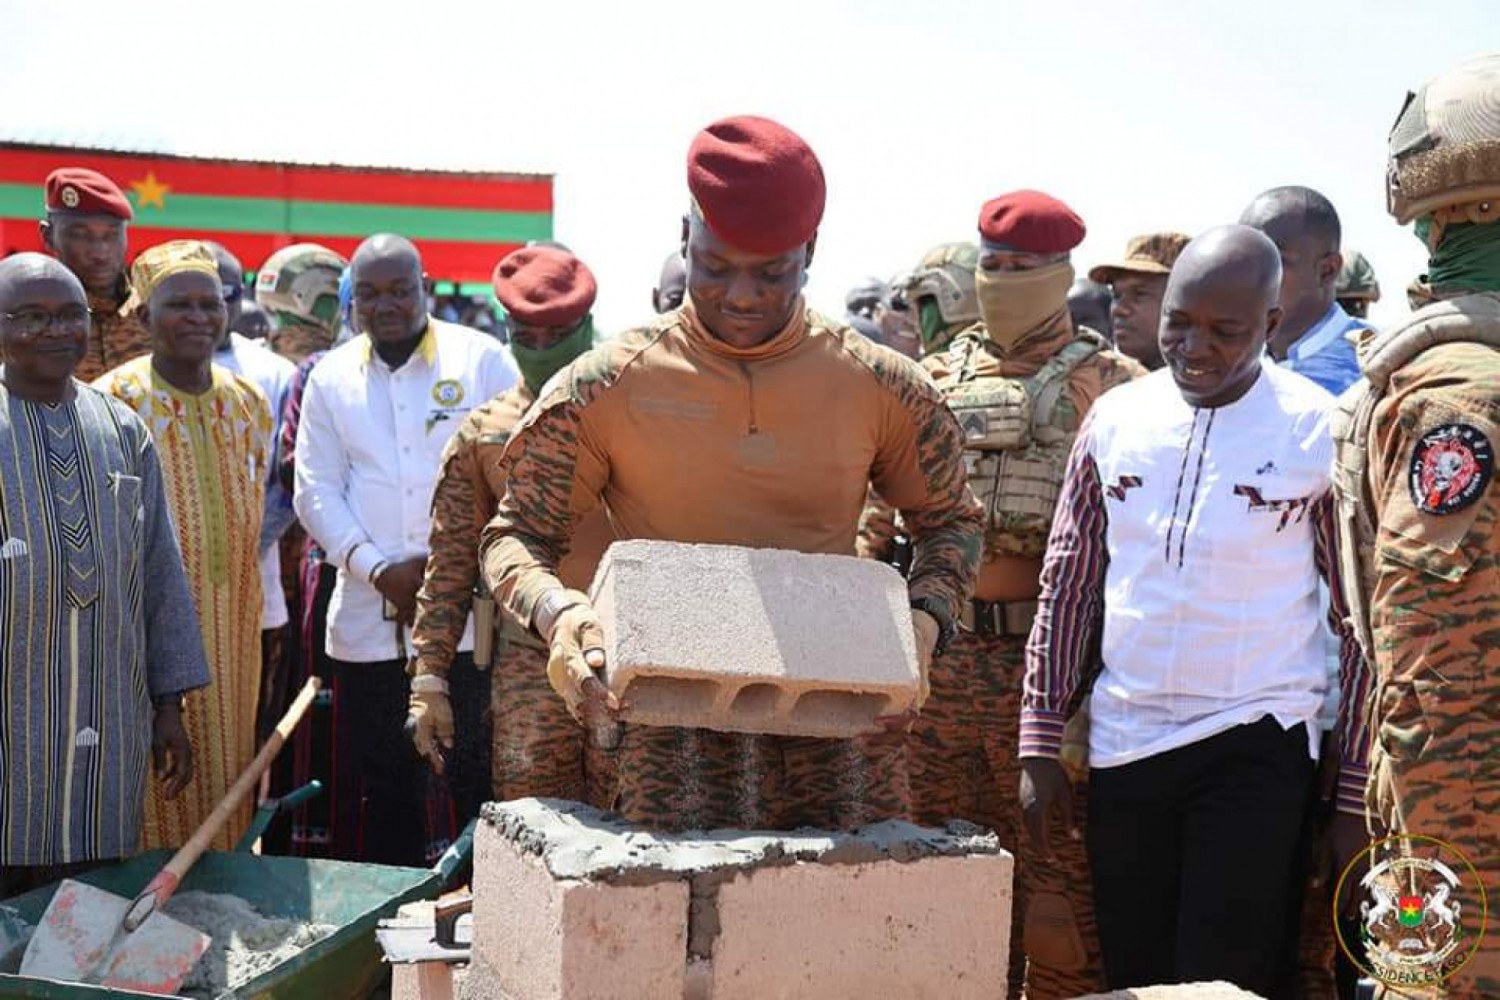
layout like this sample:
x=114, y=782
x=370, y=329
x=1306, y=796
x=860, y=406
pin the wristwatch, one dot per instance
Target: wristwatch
x=946, y=628
x=176, y=698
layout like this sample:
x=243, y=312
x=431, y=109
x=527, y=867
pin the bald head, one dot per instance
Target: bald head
x=390, y=303
x=385, y=247
x=1230, y=254
x=44, y=326
x=1219, y=308
x=232, y=277
x=22, y=269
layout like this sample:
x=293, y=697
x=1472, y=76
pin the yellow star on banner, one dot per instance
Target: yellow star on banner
x=150, y=191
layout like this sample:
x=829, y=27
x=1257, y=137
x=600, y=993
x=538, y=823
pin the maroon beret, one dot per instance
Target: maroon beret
x=544, y=286
x=1030, y=222
x=758, y=185
x=86, y=192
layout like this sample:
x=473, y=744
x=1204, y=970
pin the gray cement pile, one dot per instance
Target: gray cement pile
x=245, y=943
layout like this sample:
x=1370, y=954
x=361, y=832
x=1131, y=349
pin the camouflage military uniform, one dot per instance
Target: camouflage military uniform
x=1019, y=410
x=537, y=748
x=684, y=437
x=1419, y=508
x=1429, y=586
x=116, y=334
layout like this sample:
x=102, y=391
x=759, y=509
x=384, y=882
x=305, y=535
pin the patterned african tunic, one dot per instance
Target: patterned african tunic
x=85, y=535
x=215, y=450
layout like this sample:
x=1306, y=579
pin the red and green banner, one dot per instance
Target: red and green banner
x=462, y=222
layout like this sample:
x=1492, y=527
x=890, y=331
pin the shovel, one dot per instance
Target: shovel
x=88, y=935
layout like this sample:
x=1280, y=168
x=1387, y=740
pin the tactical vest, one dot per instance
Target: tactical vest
x=1468, y=319
x=1018, y=432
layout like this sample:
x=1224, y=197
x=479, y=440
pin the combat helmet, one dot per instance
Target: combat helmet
x=946, y=273
x=1444, y=155
x=299, y=284
x=1356, y=279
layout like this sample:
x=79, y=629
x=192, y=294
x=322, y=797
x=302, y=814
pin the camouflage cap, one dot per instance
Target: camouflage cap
x=1444, y=150
x=300, y=284
x=946, y=274
x=1356, y=279
x=1153, y=253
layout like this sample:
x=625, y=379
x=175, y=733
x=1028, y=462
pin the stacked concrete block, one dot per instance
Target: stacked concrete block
x=755, y=640
x=570, y=902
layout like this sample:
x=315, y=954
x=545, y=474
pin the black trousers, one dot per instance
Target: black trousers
x=378, y=782
x=1192, y=852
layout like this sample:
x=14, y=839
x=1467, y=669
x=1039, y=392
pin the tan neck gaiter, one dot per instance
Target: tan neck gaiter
x=1014, y=304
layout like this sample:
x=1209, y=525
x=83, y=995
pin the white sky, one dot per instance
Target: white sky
x=1150, y=115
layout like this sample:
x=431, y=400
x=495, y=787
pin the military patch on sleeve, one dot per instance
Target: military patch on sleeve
x=1451, y=466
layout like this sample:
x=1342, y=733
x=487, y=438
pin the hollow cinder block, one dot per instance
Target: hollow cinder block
x=755, y=640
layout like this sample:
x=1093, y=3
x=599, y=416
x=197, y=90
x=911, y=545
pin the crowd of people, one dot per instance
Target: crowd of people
x=1191, y=632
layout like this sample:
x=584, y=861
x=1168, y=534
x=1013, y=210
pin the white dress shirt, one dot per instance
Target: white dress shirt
x=273, y=374
x=368, y=452
x=1213, y=615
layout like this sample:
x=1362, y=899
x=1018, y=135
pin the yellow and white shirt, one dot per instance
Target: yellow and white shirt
x=368, y=451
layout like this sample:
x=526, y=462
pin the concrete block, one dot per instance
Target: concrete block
x=755, y=640
x=1182, y=991
x=425, y=981
x=540, y=937
x=937, y=928
x=572, y=902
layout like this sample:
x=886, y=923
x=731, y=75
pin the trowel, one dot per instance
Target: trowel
x=88, y=935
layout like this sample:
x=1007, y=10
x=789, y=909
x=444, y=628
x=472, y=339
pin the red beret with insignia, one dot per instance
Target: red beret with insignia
x=86, y=192
x=544, y=286
x=758, y=185
x=1030, y=222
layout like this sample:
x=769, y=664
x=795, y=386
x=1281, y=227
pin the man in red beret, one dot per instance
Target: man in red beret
x=713, y=425
x=537, y=748
x=85, y=228
x=1020, y=382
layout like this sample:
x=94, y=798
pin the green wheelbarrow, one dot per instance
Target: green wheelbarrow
x=346, y=965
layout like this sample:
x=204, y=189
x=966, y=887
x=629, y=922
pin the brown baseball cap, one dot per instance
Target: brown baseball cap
x=1153, y=253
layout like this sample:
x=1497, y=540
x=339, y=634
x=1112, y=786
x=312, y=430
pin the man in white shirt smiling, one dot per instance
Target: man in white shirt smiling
x=376, y=415
x=1194, y=526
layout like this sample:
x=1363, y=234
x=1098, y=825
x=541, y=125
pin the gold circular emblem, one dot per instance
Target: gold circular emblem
x=447, y=392
x=69, y=197
x=1423, y=910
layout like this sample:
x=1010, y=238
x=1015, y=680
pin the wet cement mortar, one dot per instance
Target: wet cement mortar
x=245, y=942
x=577, y=842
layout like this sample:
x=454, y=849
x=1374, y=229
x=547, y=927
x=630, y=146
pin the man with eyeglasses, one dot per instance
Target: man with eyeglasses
x=376, y=415
x=98, y=638
x=88, y=217
x=273, y=374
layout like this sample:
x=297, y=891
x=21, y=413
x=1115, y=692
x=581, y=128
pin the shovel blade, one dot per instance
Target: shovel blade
x=81, y=940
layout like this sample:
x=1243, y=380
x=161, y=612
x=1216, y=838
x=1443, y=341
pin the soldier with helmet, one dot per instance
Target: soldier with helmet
x=1020, y=380
x=295, y=287
x=1418, y=504
x=299, y=286
x=941, y=290
x=1356, y=288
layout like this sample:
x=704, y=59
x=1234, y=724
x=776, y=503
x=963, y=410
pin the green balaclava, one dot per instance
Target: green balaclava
x=936, y=331
x=537, y=366
x=1467, y=255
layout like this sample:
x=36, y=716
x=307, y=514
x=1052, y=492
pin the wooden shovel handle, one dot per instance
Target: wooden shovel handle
x=173, y=871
